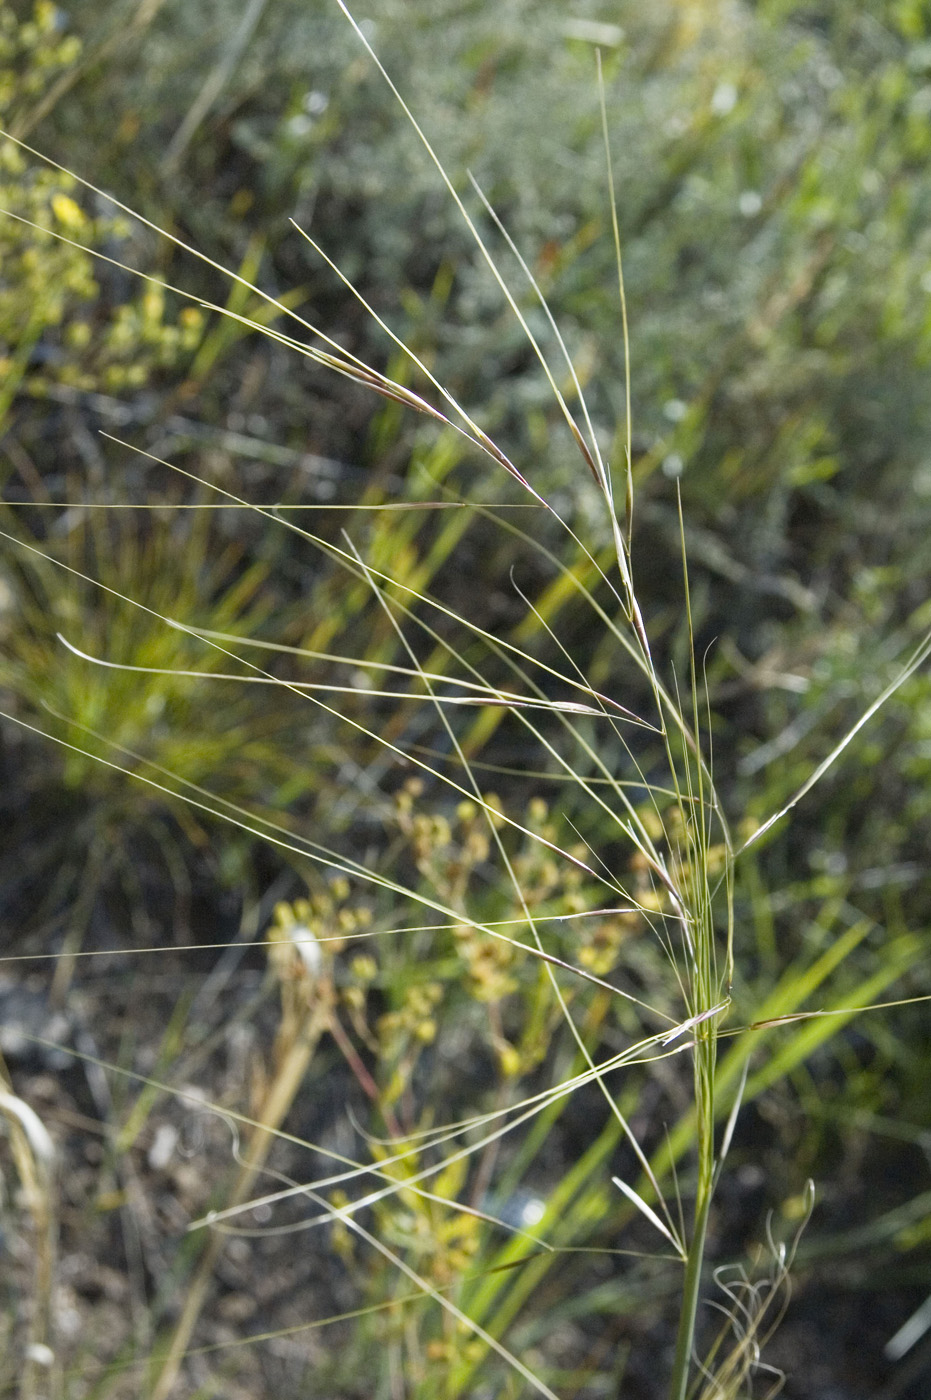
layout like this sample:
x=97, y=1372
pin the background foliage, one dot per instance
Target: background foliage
x=771, y=167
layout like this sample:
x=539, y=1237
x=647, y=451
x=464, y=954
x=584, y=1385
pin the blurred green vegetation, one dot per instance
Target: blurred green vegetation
x=771, y=167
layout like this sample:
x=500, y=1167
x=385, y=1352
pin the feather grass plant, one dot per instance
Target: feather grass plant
x=663, y=856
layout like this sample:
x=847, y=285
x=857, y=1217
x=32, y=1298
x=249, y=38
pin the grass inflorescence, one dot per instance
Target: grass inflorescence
x=467, y=962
